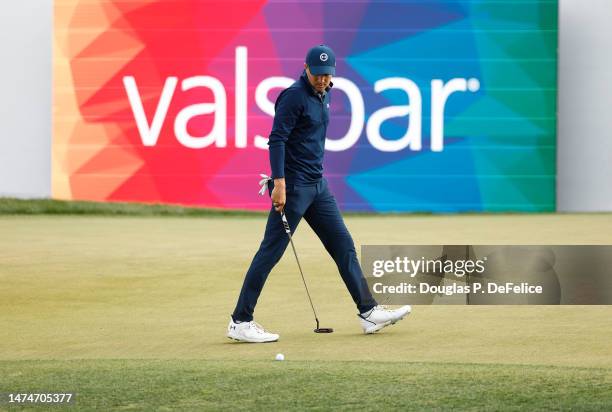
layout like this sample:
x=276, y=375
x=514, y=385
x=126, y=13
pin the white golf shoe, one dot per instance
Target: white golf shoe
x=249, y=332
x=379, y=317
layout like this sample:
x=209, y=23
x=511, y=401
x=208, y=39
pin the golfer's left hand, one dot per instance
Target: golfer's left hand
x=279, y=195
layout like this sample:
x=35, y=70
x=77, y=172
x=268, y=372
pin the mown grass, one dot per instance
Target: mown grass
x=147, y=301
x=146, y=385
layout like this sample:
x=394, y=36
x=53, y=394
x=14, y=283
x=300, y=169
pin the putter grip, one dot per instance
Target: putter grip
x=285, y=224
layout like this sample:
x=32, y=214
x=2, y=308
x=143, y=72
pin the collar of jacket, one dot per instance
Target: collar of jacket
x=304, y=78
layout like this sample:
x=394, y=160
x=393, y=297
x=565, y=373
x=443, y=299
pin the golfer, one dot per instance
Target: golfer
x=298, y=188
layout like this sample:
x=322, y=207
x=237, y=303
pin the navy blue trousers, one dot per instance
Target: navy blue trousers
x=318, y=207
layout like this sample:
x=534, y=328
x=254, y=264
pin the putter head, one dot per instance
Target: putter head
x=323, y=330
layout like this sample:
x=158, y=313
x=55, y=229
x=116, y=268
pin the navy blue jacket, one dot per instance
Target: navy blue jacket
x=297, y=140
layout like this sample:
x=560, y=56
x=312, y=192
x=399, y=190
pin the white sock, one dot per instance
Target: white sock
x=366, y=314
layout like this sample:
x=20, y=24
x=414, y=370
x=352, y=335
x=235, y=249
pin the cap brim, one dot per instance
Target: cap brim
x=320, y=70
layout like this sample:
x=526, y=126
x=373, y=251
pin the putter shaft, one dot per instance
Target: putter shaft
x=288, y=231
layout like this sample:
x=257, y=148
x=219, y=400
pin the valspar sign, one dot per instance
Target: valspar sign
x=412, y=138
x=436, y=107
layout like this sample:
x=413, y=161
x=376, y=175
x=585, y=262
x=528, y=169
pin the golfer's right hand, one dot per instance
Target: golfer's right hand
x=279, y=195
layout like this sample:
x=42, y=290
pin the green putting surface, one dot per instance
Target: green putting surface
x=102, y=301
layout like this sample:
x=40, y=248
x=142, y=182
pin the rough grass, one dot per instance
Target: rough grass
x=12, y=206
x=146, y=385
x=15, y=206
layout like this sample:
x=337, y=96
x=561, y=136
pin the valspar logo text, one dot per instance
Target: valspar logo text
x=149, y=130
x=412, y=267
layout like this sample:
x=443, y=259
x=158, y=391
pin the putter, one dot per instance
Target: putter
x=288, y=231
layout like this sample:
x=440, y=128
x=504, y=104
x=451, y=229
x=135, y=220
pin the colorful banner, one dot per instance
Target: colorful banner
x=437, y=106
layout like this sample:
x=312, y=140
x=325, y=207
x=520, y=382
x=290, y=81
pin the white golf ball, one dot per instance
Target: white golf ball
x=280, y=356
